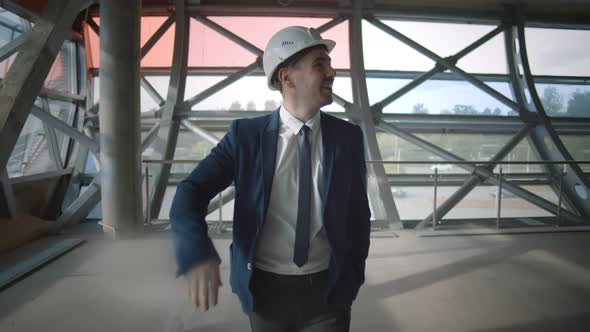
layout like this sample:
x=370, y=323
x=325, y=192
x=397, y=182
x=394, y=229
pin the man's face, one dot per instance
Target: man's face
x=313, y=77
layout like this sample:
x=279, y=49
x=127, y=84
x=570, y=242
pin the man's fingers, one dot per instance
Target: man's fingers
x=194, y=292
x=203, y=290
x=213, y=290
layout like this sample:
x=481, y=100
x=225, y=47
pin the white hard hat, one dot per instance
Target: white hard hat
x=286, y=43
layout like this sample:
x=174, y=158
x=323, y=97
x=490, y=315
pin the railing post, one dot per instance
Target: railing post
x=561, y=175
x=434, y=199
x=147, y=194
x=499, y=201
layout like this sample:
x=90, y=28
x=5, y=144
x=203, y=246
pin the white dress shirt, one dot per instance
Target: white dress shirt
x=275, y=248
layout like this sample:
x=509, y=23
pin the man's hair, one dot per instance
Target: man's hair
x=291, y=62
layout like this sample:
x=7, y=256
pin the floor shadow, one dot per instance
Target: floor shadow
x=447, y=271
x=572, y=323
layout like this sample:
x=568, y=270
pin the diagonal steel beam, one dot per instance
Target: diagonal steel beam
x=229, y=35
x=219, y=86
x=475, y=180
x=379, y=190
x=150, y=137
x=341, y=101
x=93, y=25
x=165, y=143
x=13, y=46
x=437, y=69
x=81, y=207
x=443, y=62
x=149, y=88
x=544, y=138
x=200, y=132
x=229, y=193
x=483, y=172
x=7, y=201
x=30, y=68
x=58, y=124
x=51, y=138
x=156, y=36
x=53, y=146
x=330, y=24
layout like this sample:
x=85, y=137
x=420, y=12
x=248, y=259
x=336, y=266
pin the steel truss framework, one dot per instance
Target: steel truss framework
x=173, y=111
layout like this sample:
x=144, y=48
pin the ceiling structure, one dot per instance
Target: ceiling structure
x=563, y=13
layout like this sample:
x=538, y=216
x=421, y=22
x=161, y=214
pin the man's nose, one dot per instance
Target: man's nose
x=331, y=71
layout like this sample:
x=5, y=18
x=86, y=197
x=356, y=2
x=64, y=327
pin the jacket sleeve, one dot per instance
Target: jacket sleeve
x=189, y=206
x=359, y=212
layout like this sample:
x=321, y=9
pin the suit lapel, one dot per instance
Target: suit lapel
x=268, y=139
x=328, y=146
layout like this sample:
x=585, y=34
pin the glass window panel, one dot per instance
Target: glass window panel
x=558, y=52
x=440, y=97
x=259, y=30
x=30, y=154
x=11, y=27
x=208, y=48
x=579, y=147
x=479, y=203
x=393, y=148
x=489, y=58
x=159, y=56
x=65, y=112
x=9, y=19
x=227, y=210
x=161, y=53
x=160, y=84
x=62, y=75
x=565, y=100
x=96, y=213
x=383, y=52
x=6, y=36
x=251, y=93
x=471, y=147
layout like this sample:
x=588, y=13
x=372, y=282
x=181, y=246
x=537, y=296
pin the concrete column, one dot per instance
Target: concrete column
x=119, y=115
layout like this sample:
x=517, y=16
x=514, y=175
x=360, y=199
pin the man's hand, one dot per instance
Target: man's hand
x=203, y=284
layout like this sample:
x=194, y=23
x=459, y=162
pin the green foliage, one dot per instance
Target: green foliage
x=552, y=101
x=419, y=109
x=579, y=104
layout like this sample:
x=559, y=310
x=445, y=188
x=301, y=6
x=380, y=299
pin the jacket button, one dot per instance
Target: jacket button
x=249, y=266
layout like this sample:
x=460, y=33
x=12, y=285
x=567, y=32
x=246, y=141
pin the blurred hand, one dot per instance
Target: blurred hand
x=203, y=284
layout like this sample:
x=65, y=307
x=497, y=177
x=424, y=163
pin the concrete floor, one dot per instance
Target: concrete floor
x=501, y=283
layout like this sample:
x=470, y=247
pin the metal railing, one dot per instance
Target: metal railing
x=219, y=225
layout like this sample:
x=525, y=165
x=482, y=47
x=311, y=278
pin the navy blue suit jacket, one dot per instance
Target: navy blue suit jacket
x=246, y=156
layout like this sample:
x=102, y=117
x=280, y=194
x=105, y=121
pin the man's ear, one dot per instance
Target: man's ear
x=284, y=75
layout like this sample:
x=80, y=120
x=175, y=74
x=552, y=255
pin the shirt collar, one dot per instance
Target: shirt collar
x=294, y=124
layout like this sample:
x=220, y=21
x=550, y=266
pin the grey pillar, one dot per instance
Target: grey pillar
x=120, y=132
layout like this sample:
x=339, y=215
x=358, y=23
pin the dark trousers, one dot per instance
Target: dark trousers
x=285, y=303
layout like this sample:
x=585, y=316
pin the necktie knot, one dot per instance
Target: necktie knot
x=304, y=130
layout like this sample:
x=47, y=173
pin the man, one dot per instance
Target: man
x=301, y=215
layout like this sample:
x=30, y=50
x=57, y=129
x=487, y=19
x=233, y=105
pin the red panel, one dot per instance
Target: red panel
x=159, y=56
x=258, y=30
x=207, y=48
